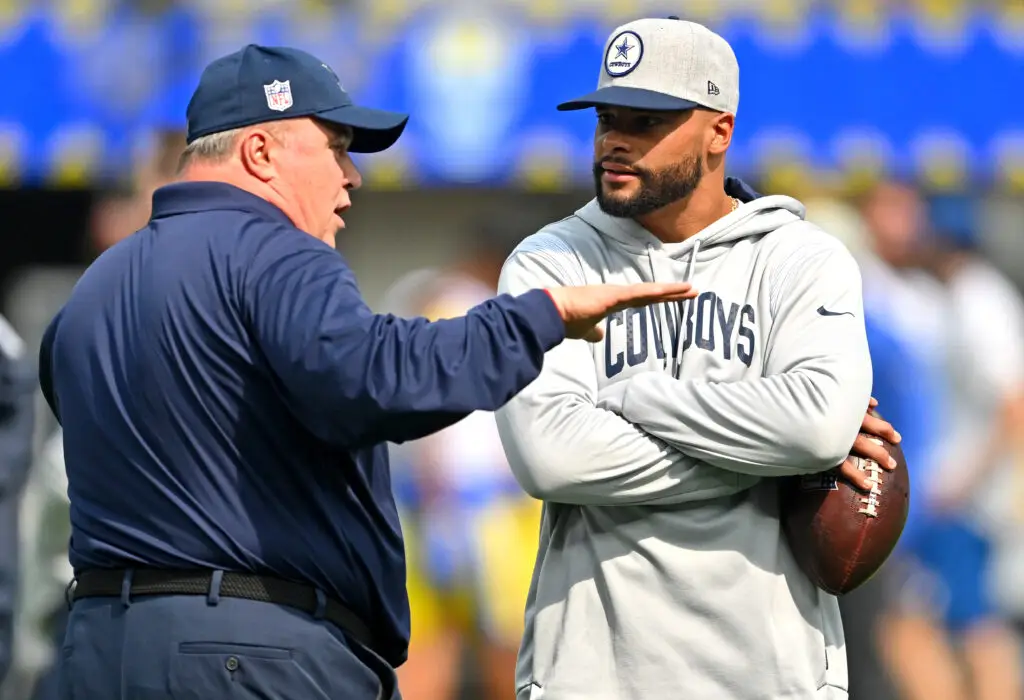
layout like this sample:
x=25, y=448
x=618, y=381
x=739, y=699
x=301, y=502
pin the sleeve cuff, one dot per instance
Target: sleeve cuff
x=540, y=308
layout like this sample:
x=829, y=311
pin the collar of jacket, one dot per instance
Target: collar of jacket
x=192, y=197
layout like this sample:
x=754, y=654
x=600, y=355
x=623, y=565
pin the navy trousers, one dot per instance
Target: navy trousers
x=212, y=648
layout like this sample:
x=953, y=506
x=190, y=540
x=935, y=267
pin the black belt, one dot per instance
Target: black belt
x=97, y=583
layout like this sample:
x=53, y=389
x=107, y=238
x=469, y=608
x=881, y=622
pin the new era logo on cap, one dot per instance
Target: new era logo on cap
x=665, y=64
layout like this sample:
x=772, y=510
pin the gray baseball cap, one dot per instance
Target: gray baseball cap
x=665, y=64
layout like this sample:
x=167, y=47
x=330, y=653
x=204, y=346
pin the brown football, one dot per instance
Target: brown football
x=841, y=536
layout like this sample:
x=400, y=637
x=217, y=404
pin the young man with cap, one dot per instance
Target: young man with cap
x=662, y=571
x=225, y=397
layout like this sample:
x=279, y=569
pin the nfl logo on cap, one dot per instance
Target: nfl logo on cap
x=279, y=95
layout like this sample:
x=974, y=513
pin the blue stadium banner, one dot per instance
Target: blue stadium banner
x=824, y=93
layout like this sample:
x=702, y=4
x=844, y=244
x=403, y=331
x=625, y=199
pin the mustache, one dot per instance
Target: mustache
x=640, y=172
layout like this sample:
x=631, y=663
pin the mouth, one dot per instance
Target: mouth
x=338, y=211
x=617, y=172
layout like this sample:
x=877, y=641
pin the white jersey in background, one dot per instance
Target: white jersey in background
x=911, y=304
x=985, y=341
x=662, y=571
x=985, y=344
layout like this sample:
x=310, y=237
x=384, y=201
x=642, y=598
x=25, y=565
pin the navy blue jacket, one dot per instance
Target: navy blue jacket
x=226, y=394
x=17, y=421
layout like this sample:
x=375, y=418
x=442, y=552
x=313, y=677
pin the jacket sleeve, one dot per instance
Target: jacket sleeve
x=356, y=378
x=803, y=415
x=46, y=367
x=561, y=447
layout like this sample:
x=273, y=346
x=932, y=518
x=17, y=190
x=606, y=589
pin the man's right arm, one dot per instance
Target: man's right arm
x=564, y=449
x=356, y=378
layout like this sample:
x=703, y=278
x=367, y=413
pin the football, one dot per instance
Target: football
x=841, y=536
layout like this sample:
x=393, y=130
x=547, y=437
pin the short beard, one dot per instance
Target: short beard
x=657, y=188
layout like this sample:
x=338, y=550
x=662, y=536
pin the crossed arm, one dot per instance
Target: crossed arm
x=653, y=439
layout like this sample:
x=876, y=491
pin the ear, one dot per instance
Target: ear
x=721, y=128
x=256, y=148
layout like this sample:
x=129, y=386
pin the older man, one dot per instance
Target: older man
x=225, y=396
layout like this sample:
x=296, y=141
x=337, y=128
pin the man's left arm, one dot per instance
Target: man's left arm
x=804, y=413
x=46, y=366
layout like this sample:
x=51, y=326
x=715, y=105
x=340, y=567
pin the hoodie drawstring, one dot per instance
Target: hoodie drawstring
x=654, y=278
x=684, y=308
x=650, y=264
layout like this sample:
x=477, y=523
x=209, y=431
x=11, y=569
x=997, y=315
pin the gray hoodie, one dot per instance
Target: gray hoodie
x=662, y=571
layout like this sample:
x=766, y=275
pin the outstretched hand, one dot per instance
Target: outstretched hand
x=583, y=308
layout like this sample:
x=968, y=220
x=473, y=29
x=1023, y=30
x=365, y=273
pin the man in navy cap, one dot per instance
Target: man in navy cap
x=225, y=396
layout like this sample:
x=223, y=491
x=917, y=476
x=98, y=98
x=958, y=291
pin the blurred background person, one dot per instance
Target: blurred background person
x=902, y=319
x=120, y=213
x=979, y=498
x=945, y=637
x=44, y=518
x=45, y=533
x=17, y=420
x=471, y=532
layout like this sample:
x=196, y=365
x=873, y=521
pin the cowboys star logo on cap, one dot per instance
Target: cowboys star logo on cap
x=676, y=66
x=624, y=54
x=279, y=95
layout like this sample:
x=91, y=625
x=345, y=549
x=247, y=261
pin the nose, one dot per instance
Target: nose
x=352, y=175
x=612, y=142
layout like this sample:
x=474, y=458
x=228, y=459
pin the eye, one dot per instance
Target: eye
x=648, y=122
x=631, y=123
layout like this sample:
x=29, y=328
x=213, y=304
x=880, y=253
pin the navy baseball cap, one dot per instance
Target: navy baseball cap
x=262, y=83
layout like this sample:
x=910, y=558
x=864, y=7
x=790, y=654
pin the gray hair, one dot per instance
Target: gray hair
x=218, y=146
x=344, y=135
x=212, y=147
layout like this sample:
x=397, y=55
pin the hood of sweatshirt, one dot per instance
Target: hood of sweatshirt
x=756, y=215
